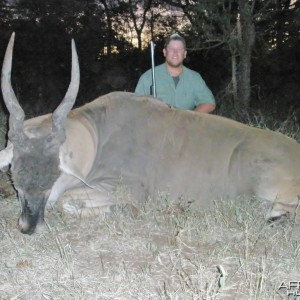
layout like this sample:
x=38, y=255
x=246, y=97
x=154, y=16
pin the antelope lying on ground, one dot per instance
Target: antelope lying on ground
x=82, y=155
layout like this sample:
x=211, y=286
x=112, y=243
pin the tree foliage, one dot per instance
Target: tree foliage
x=245, y=50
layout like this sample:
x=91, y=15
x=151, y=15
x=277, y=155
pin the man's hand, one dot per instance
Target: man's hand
x=205, y=108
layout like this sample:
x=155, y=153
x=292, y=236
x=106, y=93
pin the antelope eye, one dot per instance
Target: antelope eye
x=49, y=139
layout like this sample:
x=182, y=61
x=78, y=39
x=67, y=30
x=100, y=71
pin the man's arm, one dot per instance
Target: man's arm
x=205, y=108
x=143, y=85
x=205, y=100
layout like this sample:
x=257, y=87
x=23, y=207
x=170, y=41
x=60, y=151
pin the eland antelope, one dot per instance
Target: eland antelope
x=82, y=155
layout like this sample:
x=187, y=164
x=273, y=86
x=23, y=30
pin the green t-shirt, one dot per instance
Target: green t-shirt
x=190, y=91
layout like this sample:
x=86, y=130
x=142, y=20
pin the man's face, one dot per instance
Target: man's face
x=175, y=53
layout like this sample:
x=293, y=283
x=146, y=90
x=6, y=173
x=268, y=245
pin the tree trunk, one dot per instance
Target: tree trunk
x=246, y=38
x=139, y=38
x=234, y=77
x=139, y=28
x=109, y=26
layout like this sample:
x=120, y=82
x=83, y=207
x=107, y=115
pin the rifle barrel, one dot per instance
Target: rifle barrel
x=153, y=88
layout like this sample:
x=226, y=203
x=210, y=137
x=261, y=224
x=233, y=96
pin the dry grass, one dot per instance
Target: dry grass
x=169, y=252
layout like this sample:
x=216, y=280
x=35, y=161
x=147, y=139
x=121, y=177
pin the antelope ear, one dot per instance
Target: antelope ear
x=6, y=156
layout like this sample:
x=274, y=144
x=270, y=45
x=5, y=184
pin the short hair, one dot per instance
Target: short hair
x=174, y=37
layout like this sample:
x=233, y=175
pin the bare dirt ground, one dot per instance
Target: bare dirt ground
x=168, y=252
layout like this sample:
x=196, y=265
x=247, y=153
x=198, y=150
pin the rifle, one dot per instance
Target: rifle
x=153, y=86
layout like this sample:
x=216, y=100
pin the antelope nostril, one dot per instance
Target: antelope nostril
x=29, y=231
x=22, y=225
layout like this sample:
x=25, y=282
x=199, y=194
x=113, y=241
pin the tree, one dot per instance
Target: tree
x=245, y=42
x=276, y=66
x=229, y=24
x=238, y=25
x=42, y=49
x=108, y=12
x=140, y=21
x=223, y=36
